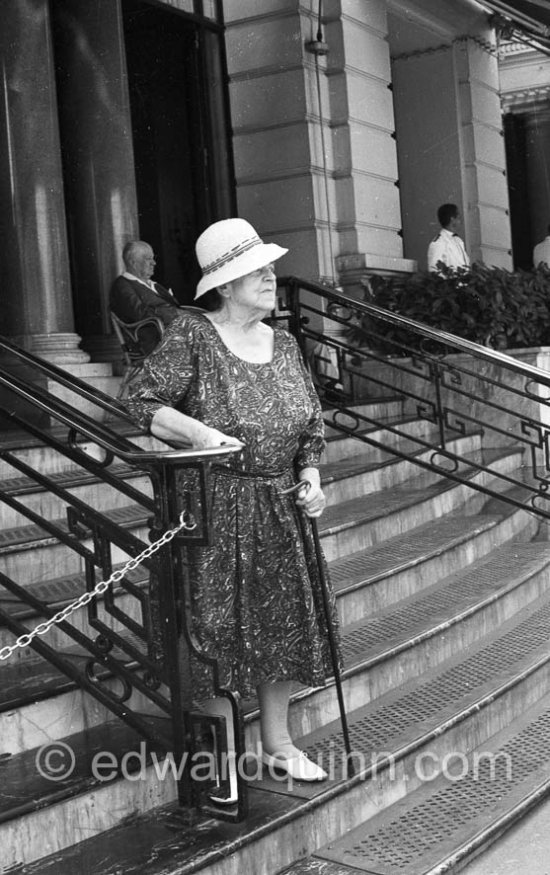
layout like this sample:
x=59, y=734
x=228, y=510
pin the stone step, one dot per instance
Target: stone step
x=37, y=800
x=378, y=576
x=358, y=475
x=356, y=578
x=340, y=446
x=82, y=485
x=17, y=542
x=51, y=706
x=386, y=409
x=345, y=478
x=403, y=642
x=28, y=554
x=38, y=455
x=400, y=742
x=59, y=593
x=357, y=523
x=48, y=460
x=463, y=804
x=395, y=636
x=88, y=488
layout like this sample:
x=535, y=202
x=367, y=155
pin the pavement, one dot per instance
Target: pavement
x=524, y=850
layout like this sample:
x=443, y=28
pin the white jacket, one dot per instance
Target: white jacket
x=448, y=248
x=541, y=252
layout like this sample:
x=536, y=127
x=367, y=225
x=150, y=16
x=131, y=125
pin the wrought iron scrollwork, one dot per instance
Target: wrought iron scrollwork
x=467, y=391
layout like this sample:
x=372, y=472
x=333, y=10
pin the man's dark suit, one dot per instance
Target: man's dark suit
x=133, y=301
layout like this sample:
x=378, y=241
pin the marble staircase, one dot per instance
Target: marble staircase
x=444, y=604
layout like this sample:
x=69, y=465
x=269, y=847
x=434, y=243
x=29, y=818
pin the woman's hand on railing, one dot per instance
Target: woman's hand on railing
x=172, y=425
x=204, y=438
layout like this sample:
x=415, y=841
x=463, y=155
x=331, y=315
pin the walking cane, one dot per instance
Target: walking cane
x=305, y=484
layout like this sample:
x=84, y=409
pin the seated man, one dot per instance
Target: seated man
x=134, y=296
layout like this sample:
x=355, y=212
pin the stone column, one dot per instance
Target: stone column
x=537, y=156
x=363, y=136
x=34, y=267
x=450, y=147
x=276, y=180
x=315, y=160
x=483, y=161
x=98, y=155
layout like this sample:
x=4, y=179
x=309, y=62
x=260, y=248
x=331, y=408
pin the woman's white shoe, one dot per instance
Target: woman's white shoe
x=223, y=796
x=298, y=767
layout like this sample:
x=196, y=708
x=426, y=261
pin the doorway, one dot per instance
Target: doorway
x=174, y=119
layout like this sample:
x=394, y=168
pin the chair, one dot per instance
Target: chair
x=127, y=334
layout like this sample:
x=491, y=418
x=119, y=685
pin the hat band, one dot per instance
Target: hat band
x=231, y=255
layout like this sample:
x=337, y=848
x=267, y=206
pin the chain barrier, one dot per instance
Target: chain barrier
x=24, y=640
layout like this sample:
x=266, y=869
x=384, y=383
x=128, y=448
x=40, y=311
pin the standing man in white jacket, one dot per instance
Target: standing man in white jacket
x=447, y=248
x=541, y=252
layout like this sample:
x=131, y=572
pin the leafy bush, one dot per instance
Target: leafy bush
x=489, y=305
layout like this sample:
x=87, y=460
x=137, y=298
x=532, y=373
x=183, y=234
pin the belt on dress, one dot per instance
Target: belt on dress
x=250, y=475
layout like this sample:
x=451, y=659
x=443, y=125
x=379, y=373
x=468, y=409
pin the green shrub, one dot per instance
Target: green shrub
x=489, y=305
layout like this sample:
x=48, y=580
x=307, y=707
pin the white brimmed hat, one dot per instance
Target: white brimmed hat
x=230, y=249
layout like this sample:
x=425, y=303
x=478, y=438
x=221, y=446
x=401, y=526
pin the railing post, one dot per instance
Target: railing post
x=435, y=369
x=295, y=321
x=179, y=651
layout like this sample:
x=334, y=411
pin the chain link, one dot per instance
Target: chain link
x=24, y=640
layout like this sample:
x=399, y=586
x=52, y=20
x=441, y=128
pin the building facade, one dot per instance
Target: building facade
x=525, y=94
x=337, y=128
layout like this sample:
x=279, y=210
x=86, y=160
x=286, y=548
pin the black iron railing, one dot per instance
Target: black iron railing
x=133, y=645
x=361, y=353
x=129, y=644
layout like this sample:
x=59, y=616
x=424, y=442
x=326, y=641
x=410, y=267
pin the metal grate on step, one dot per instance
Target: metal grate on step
x=411, y=838
x=418, y=543
x=25, y=537
x=375, y=730
x=481, y=581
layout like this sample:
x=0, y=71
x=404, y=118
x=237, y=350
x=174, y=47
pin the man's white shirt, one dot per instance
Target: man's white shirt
x=150, y=284
x=448, y=248
x=541, y=252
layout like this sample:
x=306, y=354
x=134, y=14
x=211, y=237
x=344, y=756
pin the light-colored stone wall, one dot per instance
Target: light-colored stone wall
x=315, y=155
x=525, y=88
x=317, y=139
x=485, y=190
x=363, y=125
x=277, y=170
x=428, y=144
x=451, y=148
x=476, y=392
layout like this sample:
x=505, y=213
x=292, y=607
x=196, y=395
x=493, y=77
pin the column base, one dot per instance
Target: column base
x=59, y=349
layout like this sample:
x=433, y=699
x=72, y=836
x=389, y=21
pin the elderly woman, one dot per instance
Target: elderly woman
x=226, y=377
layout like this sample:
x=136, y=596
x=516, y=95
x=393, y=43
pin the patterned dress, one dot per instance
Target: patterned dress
x=256, y=602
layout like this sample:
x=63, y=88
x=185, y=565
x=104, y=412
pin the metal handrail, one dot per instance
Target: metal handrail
x=178, y=488
x=65, y=379
x=443, y=337
x=167, y=595
x=80, y=423
x=506, y=402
